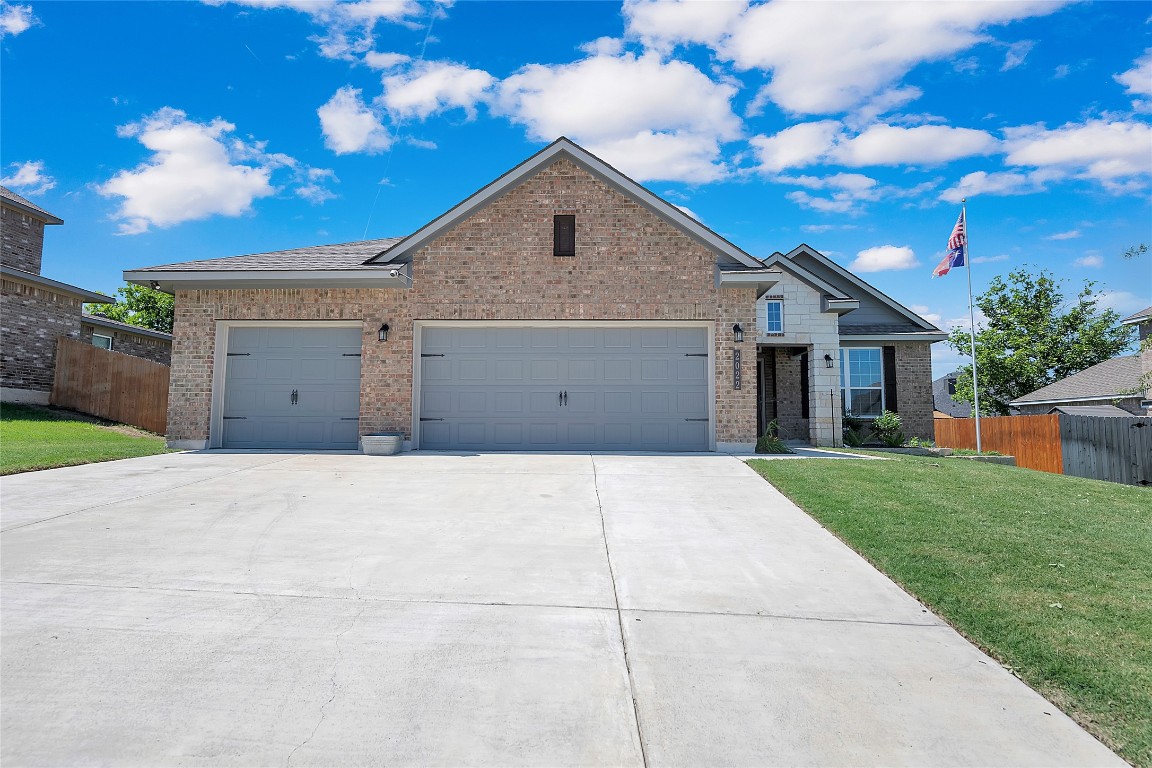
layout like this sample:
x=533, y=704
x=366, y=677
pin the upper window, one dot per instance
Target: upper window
x=104, y=342
x=862, y=381
x=773, y=317
x=564, y=235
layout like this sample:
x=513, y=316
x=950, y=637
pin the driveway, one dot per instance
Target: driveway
x=434, y=609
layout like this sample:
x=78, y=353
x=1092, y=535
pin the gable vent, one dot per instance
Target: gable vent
x=564, y=235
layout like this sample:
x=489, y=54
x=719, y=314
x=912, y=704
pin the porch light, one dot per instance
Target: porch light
x=827, y=361
x=382, y=334
x=737, y=333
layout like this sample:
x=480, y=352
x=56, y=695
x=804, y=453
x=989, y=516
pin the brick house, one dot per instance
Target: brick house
x=561, y=307
x=36, y=310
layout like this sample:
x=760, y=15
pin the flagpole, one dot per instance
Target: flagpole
x=972, y=320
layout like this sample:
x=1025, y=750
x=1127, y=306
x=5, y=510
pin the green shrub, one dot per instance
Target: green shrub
x=887, y=427
x=770, y=441
x=919, y=442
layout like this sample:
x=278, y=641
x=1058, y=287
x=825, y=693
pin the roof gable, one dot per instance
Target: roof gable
x=564, y=147
x=16, y=202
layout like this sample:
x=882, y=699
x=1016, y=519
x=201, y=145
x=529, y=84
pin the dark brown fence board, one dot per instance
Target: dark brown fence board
x=111, y=385
x=1033, y=440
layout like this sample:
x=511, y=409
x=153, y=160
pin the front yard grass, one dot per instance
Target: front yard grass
x=1050, y=575
x=42, y=438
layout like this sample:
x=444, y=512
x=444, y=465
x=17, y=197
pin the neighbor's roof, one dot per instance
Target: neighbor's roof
x=1138, y=317
x=116, y=325
x=942, y=398
x=1103, y=381
x=1090, y=410
x=316, y=257
x=86, y=296
x=14, y=200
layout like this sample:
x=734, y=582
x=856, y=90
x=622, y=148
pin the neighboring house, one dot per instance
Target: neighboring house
x=1112, y=382
x=1143, y=322
x=946, y=408
x=561, y=307
x=107, y=333
x=35, y=310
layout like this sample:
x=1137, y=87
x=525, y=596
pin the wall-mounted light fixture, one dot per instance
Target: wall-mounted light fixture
x=827, y=361
x=737, y=333
x=155, y=285
x=382, y=334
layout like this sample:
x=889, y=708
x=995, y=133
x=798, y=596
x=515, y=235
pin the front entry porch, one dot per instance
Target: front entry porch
x=799, y=389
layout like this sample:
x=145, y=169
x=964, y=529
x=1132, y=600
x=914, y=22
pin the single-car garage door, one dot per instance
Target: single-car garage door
x=292, y=387
x=564, y=388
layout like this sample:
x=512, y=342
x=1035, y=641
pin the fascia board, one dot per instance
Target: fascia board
x=590, y=163
x=334, y=278
x=41, y=215
x=124, y=327
x=928, y=336
x=88, y=297
x=1057, y=401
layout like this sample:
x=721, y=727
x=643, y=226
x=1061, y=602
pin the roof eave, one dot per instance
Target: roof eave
x=124, y=327
x=1058, y=400
x=171, y=281
x=929, y=336
x=86, y=296
x=35, y=213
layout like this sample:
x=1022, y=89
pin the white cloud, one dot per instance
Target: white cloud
x=1016, y=54
x=1090, y=260
x=196, y=170
x=927, y=313
x=923, y=144
x=350, y=126
x=874, y=45
x=649, y=118
x=999, y=183
x=1108, y=152
x=435, y=87
x=1071, y=234
x=689, y=212
x=797, y=146
x=15, y=19
x=348, y=26
x=1123, y=302
x=604, y=46
x=663, y=24
x=1138, y=80
x=382, y=60
x=312, y=189
x=821, y=228
x=29, y=177
x=990, y=259
x=883, y=258
x=650, y=156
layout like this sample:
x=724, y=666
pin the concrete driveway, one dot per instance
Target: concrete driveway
x=432, y=609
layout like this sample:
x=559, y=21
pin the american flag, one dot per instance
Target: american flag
x=957, y=249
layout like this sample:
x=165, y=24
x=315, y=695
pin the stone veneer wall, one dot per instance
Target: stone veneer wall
x=147, y=347
x=21, y=240
x=31, y=318
x=497, y=265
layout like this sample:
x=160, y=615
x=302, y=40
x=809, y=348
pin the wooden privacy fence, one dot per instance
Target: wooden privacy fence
x=111, y=385
x=1111, y=448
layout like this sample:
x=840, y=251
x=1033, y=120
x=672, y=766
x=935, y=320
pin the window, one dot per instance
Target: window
x=773, y=317
x=862, y=381
x=564, y=235
x=104, y=342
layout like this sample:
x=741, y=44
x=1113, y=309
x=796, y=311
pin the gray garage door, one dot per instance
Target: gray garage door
x=564, y=389
x=292, y=388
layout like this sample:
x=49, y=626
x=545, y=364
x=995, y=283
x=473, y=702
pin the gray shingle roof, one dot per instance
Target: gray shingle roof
x=107, y=322
x=318, y=257
x=1091, y=410
x=1137, y=317
x=880, y=329
x=942, y=398
x=27, y=205
x=1107, y=379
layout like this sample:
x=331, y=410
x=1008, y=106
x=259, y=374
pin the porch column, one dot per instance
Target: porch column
x=825, y=416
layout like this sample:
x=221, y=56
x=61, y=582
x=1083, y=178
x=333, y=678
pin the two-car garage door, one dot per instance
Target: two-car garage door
x=480, y=388
x=564, y=388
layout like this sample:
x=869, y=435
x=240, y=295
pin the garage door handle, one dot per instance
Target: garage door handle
x=422, y=418
x=695, y=419
x=695, y=354
x=564, y=396
x=229, y=418
x=295, y=396
x=239, y=354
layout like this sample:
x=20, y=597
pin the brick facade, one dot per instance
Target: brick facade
x=137, y=345
x=914, y=388
x=497, y=265
x=21, y=240
x=33, y=317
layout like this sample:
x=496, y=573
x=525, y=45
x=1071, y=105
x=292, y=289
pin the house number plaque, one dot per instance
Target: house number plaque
x=736, y=355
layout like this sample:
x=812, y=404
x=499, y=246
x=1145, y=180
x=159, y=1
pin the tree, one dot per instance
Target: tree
x=1034, y=336
x=140, y=306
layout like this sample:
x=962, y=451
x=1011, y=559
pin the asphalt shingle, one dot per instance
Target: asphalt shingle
x=339, y=256
x=1110, y=378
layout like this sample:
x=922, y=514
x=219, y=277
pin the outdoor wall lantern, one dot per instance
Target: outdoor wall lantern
x=737, y=333
x=382, y=334
x=827, y=361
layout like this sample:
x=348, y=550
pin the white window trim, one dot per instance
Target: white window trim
x=846, y=375
x=102, y=336
x=783, y=325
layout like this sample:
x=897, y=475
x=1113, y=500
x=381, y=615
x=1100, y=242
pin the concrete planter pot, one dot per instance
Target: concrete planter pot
x=382, y=444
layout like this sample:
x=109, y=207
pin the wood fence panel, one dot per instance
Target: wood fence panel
x=1118, y=449
x=111, y=385
x=1033, y=440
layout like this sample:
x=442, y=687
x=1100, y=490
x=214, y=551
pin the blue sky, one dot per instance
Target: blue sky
x=171, y=131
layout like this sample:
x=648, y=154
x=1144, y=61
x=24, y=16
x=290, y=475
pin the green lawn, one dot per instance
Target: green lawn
x=1051, y=575
x=41, y=438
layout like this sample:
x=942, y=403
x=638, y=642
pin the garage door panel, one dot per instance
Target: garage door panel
x=626, y=387
x=267, y=364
